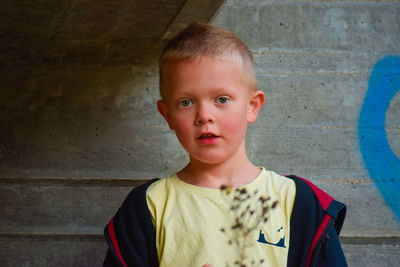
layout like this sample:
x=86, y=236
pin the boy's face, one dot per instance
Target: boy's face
x=208, y=107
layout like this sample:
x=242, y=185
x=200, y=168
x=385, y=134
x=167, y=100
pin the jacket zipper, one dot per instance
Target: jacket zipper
x=323, y=240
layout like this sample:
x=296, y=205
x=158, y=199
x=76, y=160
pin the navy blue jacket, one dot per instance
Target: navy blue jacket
x=315, y=225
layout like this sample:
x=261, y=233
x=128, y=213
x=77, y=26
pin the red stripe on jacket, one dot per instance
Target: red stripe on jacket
x=318, y=234
x=323, y=197
x=114, y=241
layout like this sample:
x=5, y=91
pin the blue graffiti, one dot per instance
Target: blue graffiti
x=381, y=162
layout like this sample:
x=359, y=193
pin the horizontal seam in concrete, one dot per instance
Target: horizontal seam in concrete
x=345, y=240
x=265, y=52
x=53, y=236
x=129, y=182
x=75, y=181
x=285, y=74
x=277, y=52
x=327, y=128
x=346, y=181
x=392, y=240
x=247, y=4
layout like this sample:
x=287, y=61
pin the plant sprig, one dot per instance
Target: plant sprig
x=250, y=211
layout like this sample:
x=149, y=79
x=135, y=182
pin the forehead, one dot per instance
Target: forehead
x=202, y=65
x=200, y=71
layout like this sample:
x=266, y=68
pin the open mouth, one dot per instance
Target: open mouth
x=208, y=138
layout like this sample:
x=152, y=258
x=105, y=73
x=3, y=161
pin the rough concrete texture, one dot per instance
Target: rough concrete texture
x=59, y=206
x=78, y=252
x=372, y=255
x=79, y=125
x=51, y=252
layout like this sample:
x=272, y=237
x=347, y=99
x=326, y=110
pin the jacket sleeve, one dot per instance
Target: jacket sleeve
x=111, y=260
x=130, y=234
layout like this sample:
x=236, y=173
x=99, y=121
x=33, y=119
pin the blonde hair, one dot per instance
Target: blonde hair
x=200, y=39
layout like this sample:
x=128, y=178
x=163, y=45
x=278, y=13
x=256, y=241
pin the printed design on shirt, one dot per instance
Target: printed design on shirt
x=280, y=243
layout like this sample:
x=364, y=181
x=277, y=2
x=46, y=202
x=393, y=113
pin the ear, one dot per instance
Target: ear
x=256, y=102
x=163, y=109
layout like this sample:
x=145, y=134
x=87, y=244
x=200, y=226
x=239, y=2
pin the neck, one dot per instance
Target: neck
x=234, y=172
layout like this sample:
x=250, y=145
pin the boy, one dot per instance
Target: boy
x=208, y=96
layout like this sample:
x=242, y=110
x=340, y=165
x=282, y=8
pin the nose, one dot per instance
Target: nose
x=204, y=114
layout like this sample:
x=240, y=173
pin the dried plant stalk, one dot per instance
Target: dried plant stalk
x=249, y=210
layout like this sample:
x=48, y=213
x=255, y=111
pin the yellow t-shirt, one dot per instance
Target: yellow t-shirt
x=188, y=221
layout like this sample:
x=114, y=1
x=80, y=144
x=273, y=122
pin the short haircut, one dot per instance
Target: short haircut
x=200, y=39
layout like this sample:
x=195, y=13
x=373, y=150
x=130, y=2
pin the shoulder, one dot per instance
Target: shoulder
x=280, y=185
x=134, y=204
x=280, y=180
x=312, y=201
x=158, y=185
x=158, y=190
x=277, y=181
x=138, y=194
x=311, y=195
x=305, y=197
x=152, y=188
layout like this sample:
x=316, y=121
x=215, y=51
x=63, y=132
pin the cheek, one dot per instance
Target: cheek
x=182, y=130
x=181, y=125
x=237, y=122
x=232, y=125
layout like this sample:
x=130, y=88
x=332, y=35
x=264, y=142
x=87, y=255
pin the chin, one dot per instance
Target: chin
x=209, y=159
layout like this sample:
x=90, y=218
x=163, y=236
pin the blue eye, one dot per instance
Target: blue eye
x=222, y=100
x=185, y=102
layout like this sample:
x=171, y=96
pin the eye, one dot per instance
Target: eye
x=222, y=100
x=185, y=103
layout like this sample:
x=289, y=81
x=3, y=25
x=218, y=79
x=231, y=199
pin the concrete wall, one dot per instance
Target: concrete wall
x=78, y=132
x=332, y=111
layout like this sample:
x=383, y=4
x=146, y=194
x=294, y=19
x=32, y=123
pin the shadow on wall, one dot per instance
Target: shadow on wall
x=381, y=162
x=64, y=113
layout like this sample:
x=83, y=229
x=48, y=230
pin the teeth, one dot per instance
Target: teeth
x=207, y=135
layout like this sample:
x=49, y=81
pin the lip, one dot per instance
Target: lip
x=208, y=138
